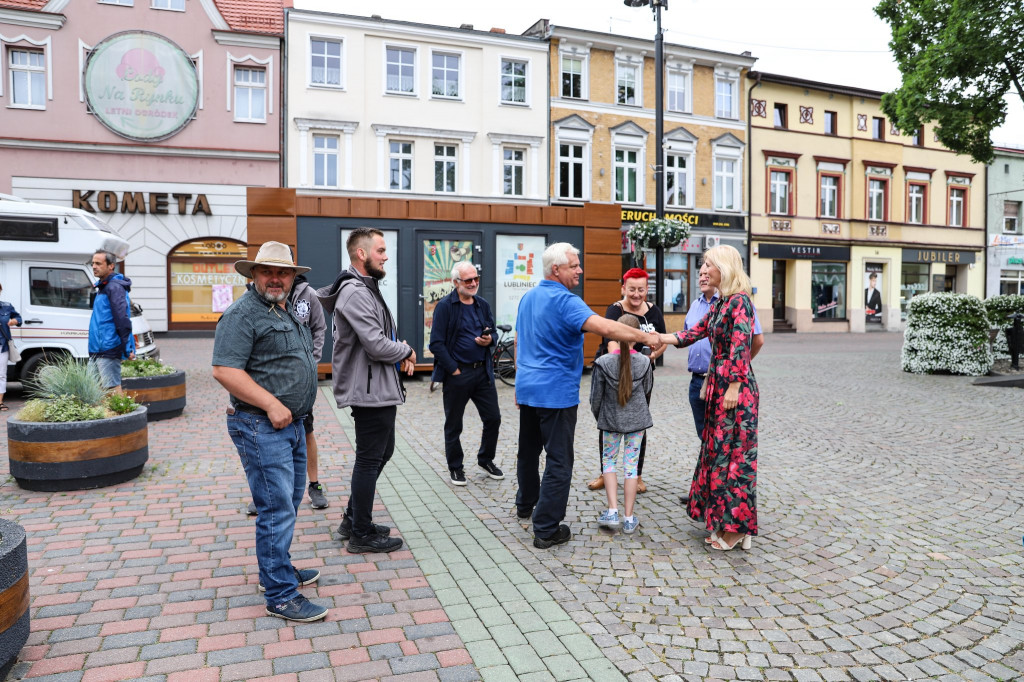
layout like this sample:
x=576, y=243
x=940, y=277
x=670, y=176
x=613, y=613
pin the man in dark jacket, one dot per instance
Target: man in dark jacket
x=461, y=334
x=110, y=327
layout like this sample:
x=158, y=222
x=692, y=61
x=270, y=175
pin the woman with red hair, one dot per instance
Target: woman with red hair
x=633, y=302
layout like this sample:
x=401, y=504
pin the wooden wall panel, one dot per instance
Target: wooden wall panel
x=574, y=215
x=307, y=205
x=528, y=215
x=553, y=215
x=599, y=240
x=478, y=213
x=602, y=266
x=421, y=210
x=263, y=229
x=394, y=208
x=448, y=210
x=502, y=213
x=270, y=201
x=602, y=215
x=364, y=208
x=601, y=293
x=333, y=207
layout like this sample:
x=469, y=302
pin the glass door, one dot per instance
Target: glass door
x=439, y=252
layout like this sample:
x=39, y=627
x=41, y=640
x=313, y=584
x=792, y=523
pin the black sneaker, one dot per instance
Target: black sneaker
x=251, y=509
x=298, y=609
x=373, y=543
x=317, y=500
x=305, y=576
x=492, y=471
x=345, y=528
x=458, y=477
x=524, y=512
x=557, y=538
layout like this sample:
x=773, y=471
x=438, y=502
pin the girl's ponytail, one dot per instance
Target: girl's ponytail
x=626, y=362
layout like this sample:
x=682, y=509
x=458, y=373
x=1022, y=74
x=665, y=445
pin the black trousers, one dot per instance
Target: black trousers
x=475, y=385
x=551, y=430
x=375, y=443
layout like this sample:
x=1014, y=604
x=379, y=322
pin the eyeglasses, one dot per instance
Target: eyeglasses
x=470, y=280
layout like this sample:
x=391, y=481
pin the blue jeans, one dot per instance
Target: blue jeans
x=552, y=430
x=110, y=370
x=275, y=466
x=697, y=405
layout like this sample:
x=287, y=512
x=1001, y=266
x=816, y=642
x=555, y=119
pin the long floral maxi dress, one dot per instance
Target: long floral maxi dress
x=723, y=491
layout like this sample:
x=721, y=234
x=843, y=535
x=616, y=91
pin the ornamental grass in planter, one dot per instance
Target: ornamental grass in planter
x=74, y=435
x=159, y=387
x=14, y=599
x=946, y=332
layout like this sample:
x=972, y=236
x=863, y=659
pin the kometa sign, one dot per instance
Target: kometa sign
x=141, y=85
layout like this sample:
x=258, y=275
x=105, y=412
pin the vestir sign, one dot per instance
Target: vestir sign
x=141, y=85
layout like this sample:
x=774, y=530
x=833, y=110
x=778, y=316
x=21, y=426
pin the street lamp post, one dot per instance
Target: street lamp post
x=659, y=134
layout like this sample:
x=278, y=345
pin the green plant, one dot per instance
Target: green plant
x=33, y=411
x=68, y=377
x=999, y=308
x=663, y=232
x=120, y=403
x=946, y=332
x=68, y=408
x=145, y=367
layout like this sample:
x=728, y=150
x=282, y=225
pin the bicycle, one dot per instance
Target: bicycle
x=504, y=356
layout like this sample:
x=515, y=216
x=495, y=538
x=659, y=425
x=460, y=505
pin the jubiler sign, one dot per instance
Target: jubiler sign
x=141, y=85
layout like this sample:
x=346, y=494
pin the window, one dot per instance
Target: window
x=828, y=199
x=828, y=291
x=677, y=184
x=444, y=168
x=779, y=192
x=831, y=123
x=401, y=70
x=512, y=171
x=325, y=161
x=626, y=172
x=176, y=5
x=250, y=95
x=444, y=80
x=1011, y=282
x=957, y=202
x=678, y=86
x=916, y=203
x=780, y=116
x=626, y=83
x=1011, y=216
x=877, y=128
x=725, y=97
x=878, y=199
x=572, y=77
x=918, y=138
x=60, y=288
x=401, y=166
x=913, y=281
x=570, y=171
x=124, y=3
x=28, y=78
x=725, y=184
x=325, y=66
x=513, y=81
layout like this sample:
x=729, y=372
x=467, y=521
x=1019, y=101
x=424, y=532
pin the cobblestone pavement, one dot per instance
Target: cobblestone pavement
x=889, y=507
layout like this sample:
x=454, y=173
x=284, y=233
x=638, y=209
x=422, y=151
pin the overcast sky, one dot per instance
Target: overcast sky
x=833, y=41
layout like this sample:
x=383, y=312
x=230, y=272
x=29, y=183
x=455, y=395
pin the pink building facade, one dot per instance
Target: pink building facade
x=155, y=115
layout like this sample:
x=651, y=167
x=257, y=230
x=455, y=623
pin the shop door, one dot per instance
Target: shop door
x=439, y=252
x=779, y=290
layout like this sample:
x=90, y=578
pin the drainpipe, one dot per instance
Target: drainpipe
x=282, y=137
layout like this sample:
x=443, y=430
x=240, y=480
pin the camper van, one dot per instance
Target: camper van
x=45, y=255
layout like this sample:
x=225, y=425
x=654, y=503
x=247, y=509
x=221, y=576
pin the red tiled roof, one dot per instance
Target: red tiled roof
x=250, y=16
x=23, y=4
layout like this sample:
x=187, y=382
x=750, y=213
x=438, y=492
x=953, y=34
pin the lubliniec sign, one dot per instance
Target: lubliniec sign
x=141, y=85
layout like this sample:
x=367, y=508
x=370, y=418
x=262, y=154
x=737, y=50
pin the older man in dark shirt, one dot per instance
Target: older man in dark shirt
x=263, y=356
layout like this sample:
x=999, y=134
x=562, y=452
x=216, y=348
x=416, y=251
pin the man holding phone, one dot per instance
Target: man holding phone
x=461, y=336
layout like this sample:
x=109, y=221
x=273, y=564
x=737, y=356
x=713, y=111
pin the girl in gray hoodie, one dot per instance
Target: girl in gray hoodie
x=618, y=398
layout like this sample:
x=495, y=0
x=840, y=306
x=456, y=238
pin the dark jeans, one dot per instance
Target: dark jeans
x=274, y=461
x=697, y=405
x=553, y=431
x=375, y=443
x=472, y=384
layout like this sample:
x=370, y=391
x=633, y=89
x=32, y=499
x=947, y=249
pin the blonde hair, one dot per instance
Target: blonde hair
x=727, y=259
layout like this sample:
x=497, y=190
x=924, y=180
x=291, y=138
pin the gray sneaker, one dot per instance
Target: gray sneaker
x=317, y=499
x=609, y=519
x=251, y=509
x=630, y=526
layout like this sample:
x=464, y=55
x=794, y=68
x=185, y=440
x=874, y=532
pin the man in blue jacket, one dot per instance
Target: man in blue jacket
x=110, y=328
x=461, y=336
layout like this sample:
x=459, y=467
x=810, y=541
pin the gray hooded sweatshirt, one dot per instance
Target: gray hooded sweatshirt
x=604, y=395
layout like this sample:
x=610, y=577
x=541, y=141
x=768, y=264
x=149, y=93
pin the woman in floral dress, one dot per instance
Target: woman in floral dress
x=723, y=491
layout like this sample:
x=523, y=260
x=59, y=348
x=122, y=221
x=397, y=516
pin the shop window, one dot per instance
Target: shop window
x=1011, y=282
x=203, y=281
x=1011, y=217
x=828, y=290
x=913, y=281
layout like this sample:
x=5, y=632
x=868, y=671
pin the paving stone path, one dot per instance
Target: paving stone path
x=891, y=518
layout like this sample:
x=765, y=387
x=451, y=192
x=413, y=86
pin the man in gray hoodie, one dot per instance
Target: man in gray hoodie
x=366, y=363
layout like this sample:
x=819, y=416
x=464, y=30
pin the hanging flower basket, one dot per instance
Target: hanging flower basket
x=663, y=232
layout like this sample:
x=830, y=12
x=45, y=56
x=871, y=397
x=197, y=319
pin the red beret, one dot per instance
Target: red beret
x=634, y=273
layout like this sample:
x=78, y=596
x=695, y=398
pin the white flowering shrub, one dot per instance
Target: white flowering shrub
x=946, y=333
x=999, y=308
x=664, y=232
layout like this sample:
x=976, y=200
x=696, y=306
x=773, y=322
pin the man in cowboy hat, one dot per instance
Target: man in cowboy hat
x=263, y=356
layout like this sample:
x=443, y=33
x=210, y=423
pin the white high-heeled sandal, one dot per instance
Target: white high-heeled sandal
x=745, y=543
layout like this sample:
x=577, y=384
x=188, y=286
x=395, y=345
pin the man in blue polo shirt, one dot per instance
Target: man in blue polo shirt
x=549, y=364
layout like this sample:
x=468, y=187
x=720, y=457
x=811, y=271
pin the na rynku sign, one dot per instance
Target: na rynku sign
x=141, y=85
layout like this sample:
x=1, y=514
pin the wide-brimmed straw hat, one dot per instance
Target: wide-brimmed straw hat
x=272, y=254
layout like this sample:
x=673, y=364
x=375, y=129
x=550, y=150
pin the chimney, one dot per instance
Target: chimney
x=497, y=30
x=467, y=27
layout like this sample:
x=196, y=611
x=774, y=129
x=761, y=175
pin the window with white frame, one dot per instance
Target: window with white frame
x=444, y=76
x=250, y=94
x=513, y=81
x=513, y=171
x=726, y=100
x=176, y=5
x=400, y=159
x=878, y=199
x=678, y=88
x=28, y=78
x=828, y=197
x=916, y=202
x=1011, y=217
x=726, y=175
x=957, y=204
x=779, y=191
x=325, y=62
x=325, y=160
x=401, y=70
x=572, y=77
x=627, y=83
x=123, y=3
x=570, y=171
x=627, y=175
x=677, y=180
x=444, y=167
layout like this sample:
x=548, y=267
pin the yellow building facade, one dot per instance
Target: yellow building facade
x=849, y=218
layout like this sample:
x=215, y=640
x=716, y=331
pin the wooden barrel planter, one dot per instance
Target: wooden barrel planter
x=163, y=396
x=78, y=455
x=14, y=619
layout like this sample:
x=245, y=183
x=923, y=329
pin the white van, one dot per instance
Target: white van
x=45, y=271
